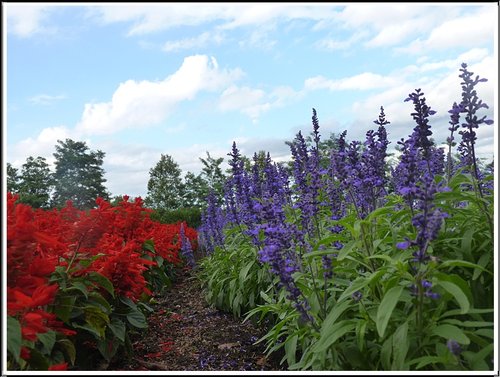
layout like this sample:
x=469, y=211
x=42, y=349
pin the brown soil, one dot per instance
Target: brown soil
x=186, y=334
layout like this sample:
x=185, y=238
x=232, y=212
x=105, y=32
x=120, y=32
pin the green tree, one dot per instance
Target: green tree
x=165, y=187
x=213, y=175
x=195, y=190
x=12, y=178
x=79, y=175
x=36, y=183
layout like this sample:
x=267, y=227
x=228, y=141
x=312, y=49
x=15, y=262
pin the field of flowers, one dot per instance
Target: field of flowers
x=349, y=259
x=78, y=282
x=355, y=263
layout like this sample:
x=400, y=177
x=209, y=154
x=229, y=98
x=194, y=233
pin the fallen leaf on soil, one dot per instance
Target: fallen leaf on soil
x=262, y=361
x=228, y=345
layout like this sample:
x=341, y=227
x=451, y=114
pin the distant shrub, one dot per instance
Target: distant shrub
x=191, y=215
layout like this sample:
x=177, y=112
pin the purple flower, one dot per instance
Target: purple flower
x=470, y=105
x=359, y=169
x=211, y=232
x=422, y=131
x=427, y=287
x=357, y=296
x=186, y=249
x=454, y=347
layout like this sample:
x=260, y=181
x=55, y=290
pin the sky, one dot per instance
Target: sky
x=140, y=80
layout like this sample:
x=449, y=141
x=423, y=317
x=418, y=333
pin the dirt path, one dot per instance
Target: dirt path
x=184, y=333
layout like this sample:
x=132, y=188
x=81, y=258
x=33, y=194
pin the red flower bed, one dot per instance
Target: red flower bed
x=106, y=242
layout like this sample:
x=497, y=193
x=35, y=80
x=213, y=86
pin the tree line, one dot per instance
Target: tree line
x=79, y=176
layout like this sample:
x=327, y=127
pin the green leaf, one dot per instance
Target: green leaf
x=485, y=332
x=400, y=346
x=471, y=311
x=467, y=241
x=108, y=347
x=127, y=301
x=266, y=297
x=356, y=285
x=14, y=337
x=159, y=260
x=68, y=348
x=447, y=332
x=37, y=360
x=334, y=314
x=461, y=263
x=79, y=286
x=64, y=306
x=137, y=319
x=486, y=351
x=118, y=328
x=291, y=348
x=149, y=246
x=335, y=332
x=103, y=281
x=426, y=360
x=48, y=340
x=458, y=294
x=386, y=307
x=96, y=299
x=344, y=252
x=96, y=332
x=360, y=333
x=244, y=271
x=386, y=352
x=483, y=262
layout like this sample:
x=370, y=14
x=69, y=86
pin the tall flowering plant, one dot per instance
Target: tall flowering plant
x=367, y=270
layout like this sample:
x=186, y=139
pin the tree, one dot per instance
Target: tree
x=12, y=178
x=165, y=187
x=195, y=190
x=79, y=175
x=36, y=183
x=213, y=175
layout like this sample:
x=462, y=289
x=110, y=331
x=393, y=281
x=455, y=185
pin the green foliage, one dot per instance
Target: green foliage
x=165, y=187
x=195, y=190
x=79, y=175
x=213, y=175
x=12, y=178
x=36, y=183
x=232, y=278
x=192, y=216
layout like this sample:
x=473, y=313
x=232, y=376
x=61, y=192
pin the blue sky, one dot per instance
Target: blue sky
x=139, y=80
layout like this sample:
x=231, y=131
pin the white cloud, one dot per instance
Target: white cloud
x=337, y=44
x=196, y=42
x=391, y=23
x=259, y=38
x=466, y=31
x=255, y=102
x=249, y=101
x=42, y=145
x=156, y=17
x=137, y=104
x=362, y=81
x=25, y=20
x=46, y=99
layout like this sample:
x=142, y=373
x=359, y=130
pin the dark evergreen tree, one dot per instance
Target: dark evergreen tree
x=79, y=175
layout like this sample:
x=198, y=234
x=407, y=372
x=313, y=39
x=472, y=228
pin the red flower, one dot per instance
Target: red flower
x=63, y=366
x=25, y=353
